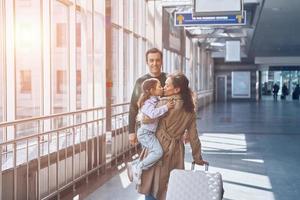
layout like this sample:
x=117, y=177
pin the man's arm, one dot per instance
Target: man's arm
x=133, y=111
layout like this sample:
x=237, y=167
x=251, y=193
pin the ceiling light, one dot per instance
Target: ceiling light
x=217, y=44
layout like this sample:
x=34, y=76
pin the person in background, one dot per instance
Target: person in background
x=275, y=91
x=284, y=92
x=296, y=92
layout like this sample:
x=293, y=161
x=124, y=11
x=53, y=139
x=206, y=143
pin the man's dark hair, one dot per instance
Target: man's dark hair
x=154, y=50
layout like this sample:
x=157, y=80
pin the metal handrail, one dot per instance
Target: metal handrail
x=22, y=121
x=204, y=92
x=52, y=147
x=120, y=104
x=92, y=116
x=47, y=132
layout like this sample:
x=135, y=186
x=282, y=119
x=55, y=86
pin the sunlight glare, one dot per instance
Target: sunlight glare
x=27, y=35
x=124, y=179
x=254, y=160
x=234, y=143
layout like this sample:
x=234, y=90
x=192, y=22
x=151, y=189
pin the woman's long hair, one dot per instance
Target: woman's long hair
x=147, y=85
x=179, y=80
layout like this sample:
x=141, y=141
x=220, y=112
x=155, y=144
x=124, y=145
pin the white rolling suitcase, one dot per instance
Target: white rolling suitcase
x=194, y=185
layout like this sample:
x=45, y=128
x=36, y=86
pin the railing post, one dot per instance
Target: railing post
x=15, y=170
x=0, y=172
x=38, y=164
x=73, y=153
x=109, y=66
x=57, y=164
x=3, y=77
x=97, y=143
x=27, y=170
x=86, y=157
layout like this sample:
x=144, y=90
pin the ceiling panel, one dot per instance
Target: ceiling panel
x=277, y=31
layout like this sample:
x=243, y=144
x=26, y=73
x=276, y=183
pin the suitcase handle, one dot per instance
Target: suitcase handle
x=205, y=165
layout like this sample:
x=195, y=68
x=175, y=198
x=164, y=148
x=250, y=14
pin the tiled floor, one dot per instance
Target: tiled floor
x=254, y=146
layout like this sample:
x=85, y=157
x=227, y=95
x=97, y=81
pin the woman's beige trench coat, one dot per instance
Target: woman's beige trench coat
x=169, y=133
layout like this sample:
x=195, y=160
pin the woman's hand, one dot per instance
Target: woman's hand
x=171, y=104
x=201, y=162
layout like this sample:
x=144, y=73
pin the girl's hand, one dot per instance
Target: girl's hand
x=171, y=104
x=147, y=120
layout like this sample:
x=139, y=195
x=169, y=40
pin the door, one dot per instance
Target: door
x=221, y=89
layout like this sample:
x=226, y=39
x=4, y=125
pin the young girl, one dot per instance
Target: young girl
x=146, y=133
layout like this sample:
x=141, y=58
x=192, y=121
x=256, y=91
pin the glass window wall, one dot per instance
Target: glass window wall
x=99, y=54
x=1, y=69
x=80, y=56
x=143, y=58
x=45, y=49
x=28, y=67
x=60, y=57
x=136, y=15
x=126, y=86
x=90, y=55
x=1, y=65
x=116, y=67
x=135, y=56
x=126, y=14
x=115, y=14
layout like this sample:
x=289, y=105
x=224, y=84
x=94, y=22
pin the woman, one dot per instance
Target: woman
x=169, y=133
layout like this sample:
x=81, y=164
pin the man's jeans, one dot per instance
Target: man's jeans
x=148, y=140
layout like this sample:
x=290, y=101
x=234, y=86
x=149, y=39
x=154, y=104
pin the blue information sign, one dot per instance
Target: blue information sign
x=187, y=19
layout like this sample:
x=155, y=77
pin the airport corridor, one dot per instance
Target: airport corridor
x=254, y=145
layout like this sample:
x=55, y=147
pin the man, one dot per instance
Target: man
x=275, y=91
x=154, y=62
x=296, y=92
x=284, y=92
